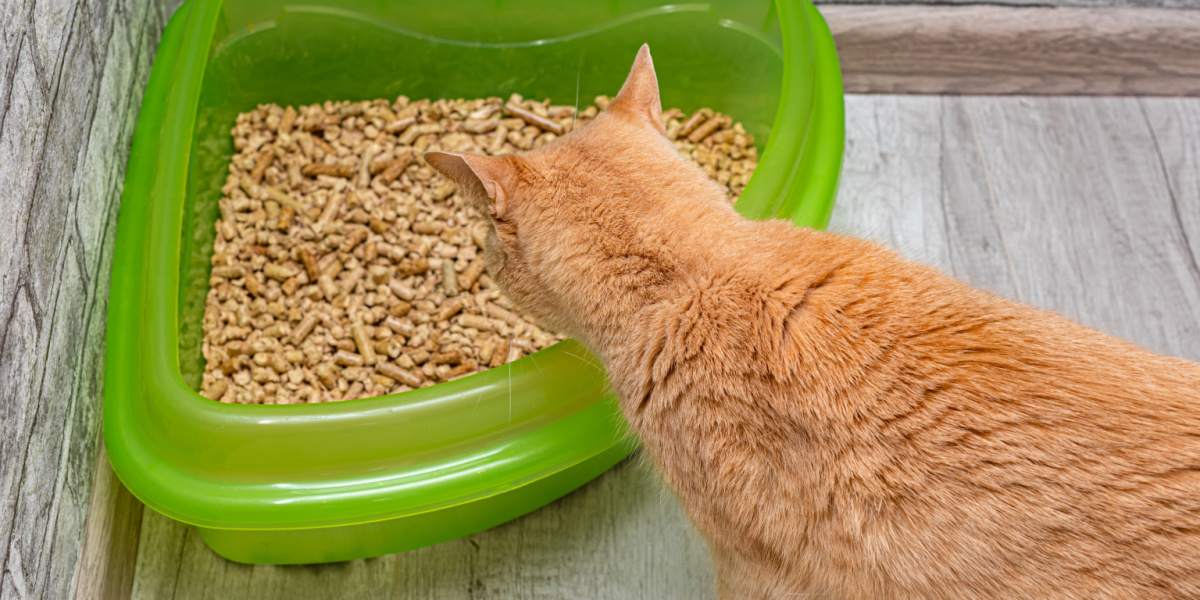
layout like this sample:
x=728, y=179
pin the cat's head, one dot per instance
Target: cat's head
x=562, y=208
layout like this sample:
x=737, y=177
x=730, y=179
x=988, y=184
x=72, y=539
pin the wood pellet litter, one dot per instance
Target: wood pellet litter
x=346, y=267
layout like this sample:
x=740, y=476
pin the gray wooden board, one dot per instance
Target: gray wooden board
x=71, y=77
x=1088, y=206
x=1022, y=51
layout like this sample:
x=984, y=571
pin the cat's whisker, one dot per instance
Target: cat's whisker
x=508, y=368
x=537, y=363
x=578, y=78
x=587, y=361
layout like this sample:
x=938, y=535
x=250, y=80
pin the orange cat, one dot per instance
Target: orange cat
x=840, y=422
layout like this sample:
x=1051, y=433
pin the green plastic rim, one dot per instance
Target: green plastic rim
x=458, y=444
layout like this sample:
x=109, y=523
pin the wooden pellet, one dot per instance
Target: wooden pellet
x=413, y=267
x=412, y=133
x=285, y=220
x=330, y=264
x=395, y=168
x=228, y=272
x=402, y=291
x=365, y=348
x=275, y=330
x=277, y=272
x=310, y=263
x=286, y=122
x=379, y=274
x=306, y=326
x=452, y=357
x=477, y=322
x=479, y=125
x=427, y=228
x=694, y=121
x=479, y=235
x=499, y=354
x=706, y=129
x=399, y=125
x=327, y=213
x=264, y=159
x=217, y=389
x=485, y=350
x=398, y=326
x=254, y=286
x=283, y=199
x=533, y=119
x=471, y=274
x=449, y=309
x=347, y=359
x=327, y=375
x=400, y=309
x=443, y=191
x=350, y=281
x=314, y=169
x=353, y=239
x=461, y=369
x=399, y=375
x=388, y=348
x=328, y=287
x=499, y=312
x=449, y=278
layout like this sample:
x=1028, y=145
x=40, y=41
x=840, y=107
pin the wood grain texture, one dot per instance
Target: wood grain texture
x=1086, y=206
x=1062, y=202
x=1005, y=50
x=891, y=172
x=71, y=76
x=106, y=566
x=1175, y=129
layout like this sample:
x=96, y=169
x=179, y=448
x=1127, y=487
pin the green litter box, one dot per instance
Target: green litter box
x=331, y=482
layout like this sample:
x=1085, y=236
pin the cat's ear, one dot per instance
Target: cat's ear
x=639, y=96
x=485, y=179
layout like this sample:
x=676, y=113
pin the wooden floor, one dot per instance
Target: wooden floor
x=1089, y=206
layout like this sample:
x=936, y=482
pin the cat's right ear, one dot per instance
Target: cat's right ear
x=639, y=96
x=484, y=179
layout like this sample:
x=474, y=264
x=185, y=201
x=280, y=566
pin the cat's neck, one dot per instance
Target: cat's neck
x=676, y=242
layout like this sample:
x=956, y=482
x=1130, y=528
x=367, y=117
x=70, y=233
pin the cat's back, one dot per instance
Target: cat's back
x=993, y=448
x=1026, y=450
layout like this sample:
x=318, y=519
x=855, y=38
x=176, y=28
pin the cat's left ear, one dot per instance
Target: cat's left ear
x=639, y=96
x=485, y=179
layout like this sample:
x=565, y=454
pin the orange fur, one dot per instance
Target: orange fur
x=837, y=421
